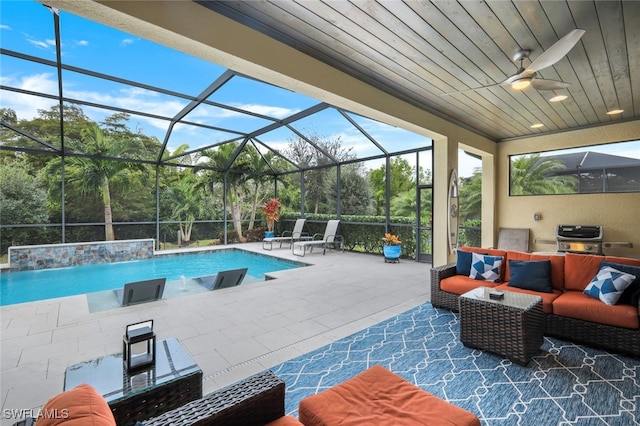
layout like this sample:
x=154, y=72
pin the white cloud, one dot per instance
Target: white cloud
x=26, y=106
x=268, y=110
x=126, y=42
x=46, y=44
x=5, y=27
x=82, y=43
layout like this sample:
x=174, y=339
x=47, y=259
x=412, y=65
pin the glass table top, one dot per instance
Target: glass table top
x=511, y=298
x=109, y=377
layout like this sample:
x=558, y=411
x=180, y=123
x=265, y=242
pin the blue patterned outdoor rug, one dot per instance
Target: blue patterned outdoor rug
x=566, y=384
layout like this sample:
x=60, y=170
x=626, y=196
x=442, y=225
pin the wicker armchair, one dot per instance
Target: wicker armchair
x=255, y=400
x=439, y=298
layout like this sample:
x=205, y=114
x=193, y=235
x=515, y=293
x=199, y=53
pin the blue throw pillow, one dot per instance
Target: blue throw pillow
x=463, y=263
x=531, y=275
x=485, y=268
x=608, y=285
x=632, y=293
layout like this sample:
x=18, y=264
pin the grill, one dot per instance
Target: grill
x=579, y=239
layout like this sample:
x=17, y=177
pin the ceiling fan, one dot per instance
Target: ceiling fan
x=526, y=77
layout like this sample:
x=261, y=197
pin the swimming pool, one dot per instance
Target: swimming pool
x=29, y=286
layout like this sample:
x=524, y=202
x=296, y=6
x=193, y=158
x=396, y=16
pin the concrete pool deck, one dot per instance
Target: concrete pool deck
x=230, y=333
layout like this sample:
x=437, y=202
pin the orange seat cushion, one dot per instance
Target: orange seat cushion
x=380, y=397
x=285, y=421
x=459, y=284
x=576, y=304
x=80, y=406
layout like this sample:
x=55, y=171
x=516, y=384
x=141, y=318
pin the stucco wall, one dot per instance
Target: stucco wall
x=617, y=213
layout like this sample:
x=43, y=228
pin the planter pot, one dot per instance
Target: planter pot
x=392, y=253
x=269, y=234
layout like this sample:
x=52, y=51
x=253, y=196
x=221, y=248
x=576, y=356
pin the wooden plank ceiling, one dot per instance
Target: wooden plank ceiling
x=419, y=50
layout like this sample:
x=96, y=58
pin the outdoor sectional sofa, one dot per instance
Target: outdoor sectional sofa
x=570, y=314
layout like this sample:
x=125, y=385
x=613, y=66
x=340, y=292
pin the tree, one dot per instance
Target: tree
x=182, y=196
x=95, y=174
x=534, y=175
x=401, y=180
x=318, y=182
x=23, y=200
x=471, y=196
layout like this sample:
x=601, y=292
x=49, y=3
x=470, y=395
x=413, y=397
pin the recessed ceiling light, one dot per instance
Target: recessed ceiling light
x=615, y=111
x=558, y=98
x=537, y=125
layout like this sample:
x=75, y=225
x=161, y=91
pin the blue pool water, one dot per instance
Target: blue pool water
x=28, y=286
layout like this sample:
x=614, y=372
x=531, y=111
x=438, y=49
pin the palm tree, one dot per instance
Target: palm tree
x=471, y=195
x=534, y=175
x=236, y=189
x=94, y=175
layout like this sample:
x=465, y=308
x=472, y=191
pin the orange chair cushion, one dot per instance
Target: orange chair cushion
x=285, y=421
x=80, y=406
x=575, y=304
x=380, y=397
x=459, y=284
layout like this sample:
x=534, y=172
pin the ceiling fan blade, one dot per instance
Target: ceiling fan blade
x=540, y=84
x=555, y=52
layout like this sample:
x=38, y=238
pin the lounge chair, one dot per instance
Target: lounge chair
x=223, y=279
x=331, y=239
x=288, y=237
x=141, y=291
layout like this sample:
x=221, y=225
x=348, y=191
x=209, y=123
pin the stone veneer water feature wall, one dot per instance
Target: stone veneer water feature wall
x=73, y=254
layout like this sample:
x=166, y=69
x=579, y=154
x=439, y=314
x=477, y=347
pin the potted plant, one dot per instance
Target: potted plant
x=271, y=211
x=391, y=248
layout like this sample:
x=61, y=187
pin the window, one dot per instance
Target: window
x=613, y=167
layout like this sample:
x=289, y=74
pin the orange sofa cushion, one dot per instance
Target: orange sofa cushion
x=459, y=284
x=80, y=406
x=579, y=270
x=575, y=304
x=547, y=298
x=380, y=397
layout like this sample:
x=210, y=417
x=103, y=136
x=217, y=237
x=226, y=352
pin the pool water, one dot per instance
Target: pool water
x=29, y=286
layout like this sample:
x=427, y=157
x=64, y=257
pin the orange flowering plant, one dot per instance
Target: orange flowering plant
x=391, y=240
x=271, y=211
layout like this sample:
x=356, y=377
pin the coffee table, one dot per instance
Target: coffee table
x=512, y=327
x=174, y=380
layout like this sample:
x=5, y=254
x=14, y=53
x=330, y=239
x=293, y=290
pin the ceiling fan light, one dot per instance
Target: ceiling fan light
x=521, y=83
x=536, y=125
x=558, y=98
x=615, y=111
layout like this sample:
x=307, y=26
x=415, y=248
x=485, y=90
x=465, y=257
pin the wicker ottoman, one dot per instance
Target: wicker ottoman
x=379, y=397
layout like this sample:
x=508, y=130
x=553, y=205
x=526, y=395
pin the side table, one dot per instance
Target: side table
x=174, y=380
x=512, y=327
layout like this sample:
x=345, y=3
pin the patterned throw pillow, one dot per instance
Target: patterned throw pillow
x=485, y=268
x=608, y=285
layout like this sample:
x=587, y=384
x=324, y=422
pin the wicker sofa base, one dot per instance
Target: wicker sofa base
x=615, y=339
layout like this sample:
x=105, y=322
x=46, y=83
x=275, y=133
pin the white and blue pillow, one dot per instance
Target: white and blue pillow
x=485, y=268
x=608, y=285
